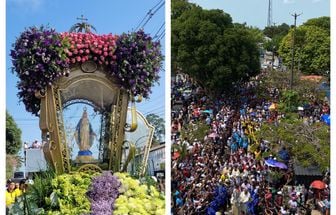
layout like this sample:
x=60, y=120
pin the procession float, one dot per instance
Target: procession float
x=107, y=73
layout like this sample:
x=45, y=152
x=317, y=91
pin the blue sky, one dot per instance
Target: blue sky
x=254, y=12
x=107, y=16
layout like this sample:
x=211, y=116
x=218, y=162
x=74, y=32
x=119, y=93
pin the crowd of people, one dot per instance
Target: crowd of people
x=34, y=145
x=221, y=167
x=14, y=191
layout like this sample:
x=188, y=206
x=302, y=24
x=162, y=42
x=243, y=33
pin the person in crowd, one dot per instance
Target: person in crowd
x=223, y=154
x=11, y=195
x=21, y=188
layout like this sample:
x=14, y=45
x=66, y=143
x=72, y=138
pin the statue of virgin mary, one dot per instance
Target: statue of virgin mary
x=84, y=135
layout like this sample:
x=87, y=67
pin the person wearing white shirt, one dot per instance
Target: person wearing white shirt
x=244, y=199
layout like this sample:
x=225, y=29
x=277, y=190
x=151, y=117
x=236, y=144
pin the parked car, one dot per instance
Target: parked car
x=18, y=176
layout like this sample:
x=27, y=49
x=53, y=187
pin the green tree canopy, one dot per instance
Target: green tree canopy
x=276, y=33
x=13, y=136
x=159, y=125
x=310, y=144
x=312, y=47
x=210, y=48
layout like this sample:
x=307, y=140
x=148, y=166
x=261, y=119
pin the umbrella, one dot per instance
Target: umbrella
x=317, y=184
x=270, y=162
x=274, y=163
x=280, y=165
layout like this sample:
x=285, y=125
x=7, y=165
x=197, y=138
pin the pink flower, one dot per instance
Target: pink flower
x=87, y=51
x=81, y=51
x=105, y=54
x=73, y=60
x=78, y=58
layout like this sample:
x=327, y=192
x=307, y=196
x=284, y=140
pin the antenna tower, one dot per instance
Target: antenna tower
x=269, y=15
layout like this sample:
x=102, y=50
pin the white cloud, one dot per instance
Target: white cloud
x=289, y=1
x=28, y=4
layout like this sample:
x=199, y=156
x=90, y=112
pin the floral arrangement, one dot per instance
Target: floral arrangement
x=138, y=62
x=97, y=194
x=41, y=55
x=137, y=198
x=103, y=192
x=39, y=59
x=88, y=46
x=69, y=194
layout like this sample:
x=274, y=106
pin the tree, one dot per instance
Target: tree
x=211, y=49
x=13, y=136
x=159, y=125
x=273, y=31
x=309, y=144
x=312, y=47
x=276, y=33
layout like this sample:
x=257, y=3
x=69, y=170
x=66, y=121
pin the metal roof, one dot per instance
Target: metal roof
x=311, y=170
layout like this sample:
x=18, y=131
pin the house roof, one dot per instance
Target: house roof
x=311, y=170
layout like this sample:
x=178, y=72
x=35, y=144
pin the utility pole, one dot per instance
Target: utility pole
x=273, y=47
x=295, y=15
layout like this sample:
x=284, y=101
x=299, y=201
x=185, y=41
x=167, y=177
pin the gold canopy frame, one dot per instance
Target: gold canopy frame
x=90, y=83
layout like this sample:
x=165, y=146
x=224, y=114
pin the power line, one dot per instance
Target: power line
x=150, y=14
x=159, y=31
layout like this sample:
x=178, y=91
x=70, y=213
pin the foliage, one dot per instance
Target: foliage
x=178, y=7
x=272, y=31
x=69, y=194
x=312, y=47
x=195, y=131
x=321, y=22
x=24, y=205
x=289, y=101
x=13, y=136
x=12, y=163
x=34, y=200
x=213, y=50
x=40, y=56
x=309, y=143
x=42, y=188
x=276, y=33
x=305, y=89
x=102, y=192
x=137, y=198
x=276, y=176
x=159, y=125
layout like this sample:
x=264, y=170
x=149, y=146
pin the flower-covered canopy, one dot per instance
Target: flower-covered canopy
x=41, y=56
